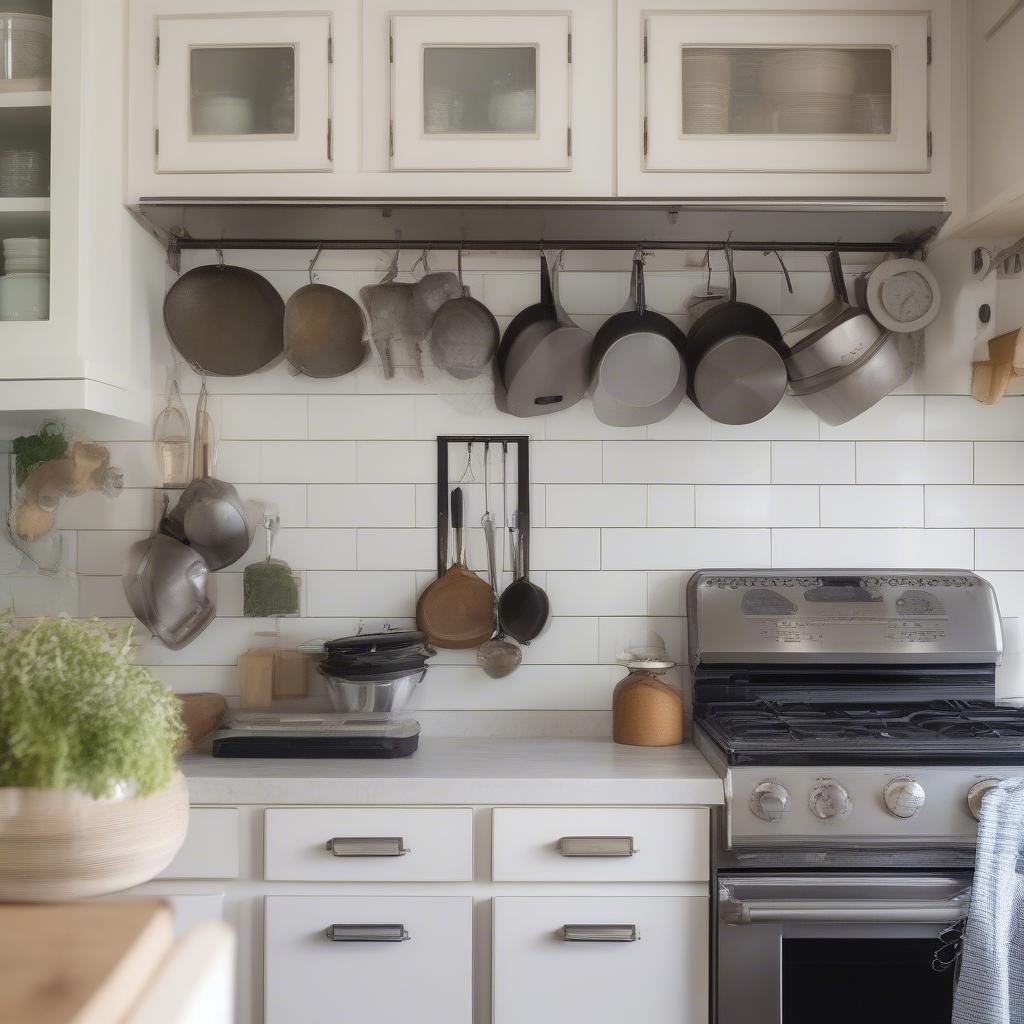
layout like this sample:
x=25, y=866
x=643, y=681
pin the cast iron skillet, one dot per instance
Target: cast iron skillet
x=735, y=356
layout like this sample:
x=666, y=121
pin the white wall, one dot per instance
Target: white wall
x=621, y=516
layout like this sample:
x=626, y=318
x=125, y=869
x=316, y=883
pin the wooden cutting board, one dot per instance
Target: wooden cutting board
x=79, y=963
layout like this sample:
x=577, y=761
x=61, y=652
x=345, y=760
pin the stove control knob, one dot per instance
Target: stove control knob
x=903, y=796
x=976, y=792
x=769, y=801
x=829, y=801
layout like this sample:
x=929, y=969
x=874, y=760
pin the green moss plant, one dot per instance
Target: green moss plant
x=77, y=712
x=32, y=450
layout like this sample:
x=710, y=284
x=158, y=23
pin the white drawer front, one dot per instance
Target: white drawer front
x=438, y=844
x=660, y=978
x=210, y=849
x=668, y=844
x=312, y=980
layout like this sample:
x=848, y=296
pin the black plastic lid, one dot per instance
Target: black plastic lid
x=370, y=643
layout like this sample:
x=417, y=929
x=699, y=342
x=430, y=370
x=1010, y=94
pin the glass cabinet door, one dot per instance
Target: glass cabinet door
x=480, y=92
x=787, y=92
x=25, y=109
x=243, y=93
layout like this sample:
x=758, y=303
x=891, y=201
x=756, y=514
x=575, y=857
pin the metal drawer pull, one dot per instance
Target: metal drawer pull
x=839, y=911
x=596, y=846
x=359, y=846
x=600, y=933
x=367, y=933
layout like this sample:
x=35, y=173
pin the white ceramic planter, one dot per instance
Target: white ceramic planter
x=62, y=845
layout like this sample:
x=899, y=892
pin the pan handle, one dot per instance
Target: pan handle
x=730, y=263
x=835, y=266
x=639, y=288
x=547, y=297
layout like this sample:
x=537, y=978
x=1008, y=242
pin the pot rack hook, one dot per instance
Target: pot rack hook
x=421, y=260
x=220, y=256
x=785, y=272
x=467, y=474
x=312, y=264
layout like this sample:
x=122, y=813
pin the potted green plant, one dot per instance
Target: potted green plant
x=91, y=800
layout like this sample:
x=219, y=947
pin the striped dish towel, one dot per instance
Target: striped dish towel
x=990, y=989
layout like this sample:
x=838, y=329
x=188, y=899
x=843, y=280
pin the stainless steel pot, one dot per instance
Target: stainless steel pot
x=839, y=395
x=371, y=696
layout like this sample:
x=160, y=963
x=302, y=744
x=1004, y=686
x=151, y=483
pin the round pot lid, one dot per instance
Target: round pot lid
x=902, y=295
x=367, y=643
x=371, y=670
x=640, y=370
x=740, y=379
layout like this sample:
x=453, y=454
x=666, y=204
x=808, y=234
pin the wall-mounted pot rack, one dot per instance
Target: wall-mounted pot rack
x=522, y=443
x=855, y=225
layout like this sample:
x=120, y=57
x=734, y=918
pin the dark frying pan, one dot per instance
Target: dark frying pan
x=735, y=355
x=637, y=365
x=225, y=320
x=539, y=319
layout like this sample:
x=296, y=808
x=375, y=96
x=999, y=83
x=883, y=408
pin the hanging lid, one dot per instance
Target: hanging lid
x=371, y=643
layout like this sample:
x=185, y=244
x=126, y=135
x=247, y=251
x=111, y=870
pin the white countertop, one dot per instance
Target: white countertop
x=466, y=771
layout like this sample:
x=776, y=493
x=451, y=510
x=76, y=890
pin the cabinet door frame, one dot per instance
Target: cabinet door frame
x=904, y=150
x=178, y=151
x=549, y=148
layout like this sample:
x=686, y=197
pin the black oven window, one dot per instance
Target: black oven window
x=863, y=981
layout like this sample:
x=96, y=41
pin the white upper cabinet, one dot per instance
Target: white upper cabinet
x=814, y=100
x=243, y=92
x=481, y=92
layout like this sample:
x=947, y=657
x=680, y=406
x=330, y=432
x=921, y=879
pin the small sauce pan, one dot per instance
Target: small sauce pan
x=736, y=358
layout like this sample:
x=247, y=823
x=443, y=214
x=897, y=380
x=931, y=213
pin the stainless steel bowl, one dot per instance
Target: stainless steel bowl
x=380, y=696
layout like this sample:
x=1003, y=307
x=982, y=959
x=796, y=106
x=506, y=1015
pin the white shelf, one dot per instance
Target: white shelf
x=33, y=98
x=30, y=205
x=24, y=217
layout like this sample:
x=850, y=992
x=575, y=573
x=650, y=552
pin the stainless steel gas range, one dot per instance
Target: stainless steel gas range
x=852, y=717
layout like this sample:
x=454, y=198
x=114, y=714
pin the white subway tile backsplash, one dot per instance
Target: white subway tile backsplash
x=730, y=505
x=974, y=506
x=254, y=417
x=889, y=505
x=915, y=462
x=863, y=549
x=362, y=417
x=685, y=549
x=813, y=462
x=687, y=462
x=961, y=418
x=597, y=593
x=362, y=505
x=621, y=516
x=307, y=462
x=998, y=462
x=596, y=505
x=896, y=418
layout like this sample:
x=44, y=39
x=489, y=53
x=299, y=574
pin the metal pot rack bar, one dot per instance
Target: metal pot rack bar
x=856, y=225
x=522, y=443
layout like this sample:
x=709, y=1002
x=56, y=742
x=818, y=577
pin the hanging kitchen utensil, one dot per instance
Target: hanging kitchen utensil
x=834, y=337
x=735, y=359
x=172, y=437
x=543, y=360
x=902, y=294
x=269, y=589
x=463, y=335
x=204, y=444
x=323, y=330
x=401, y=313
x=497, y=656
x=457, y=610
x=225, y=320
x=523, y=608
x=638, y=362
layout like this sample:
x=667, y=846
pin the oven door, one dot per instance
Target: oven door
x=802, y=948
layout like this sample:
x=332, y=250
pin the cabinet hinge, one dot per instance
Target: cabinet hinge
x=391, y=138
x=156, y=141
x=570, y=48
x=330, y=49
x=156, y=51
x=391, y=49
x=929, y=49
x=929, y=143
x=568, y=140
x=645, y=136
x=330, y=140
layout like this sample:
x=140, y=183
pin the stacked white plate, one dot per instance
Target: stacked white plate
x=707, y=91
x=872, y=113
x=812, y=114
x=23, y=255
x=807, y=70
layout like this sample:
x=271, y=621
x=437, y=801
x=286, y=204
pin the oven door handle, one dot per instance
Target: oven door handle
x=845, y=911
